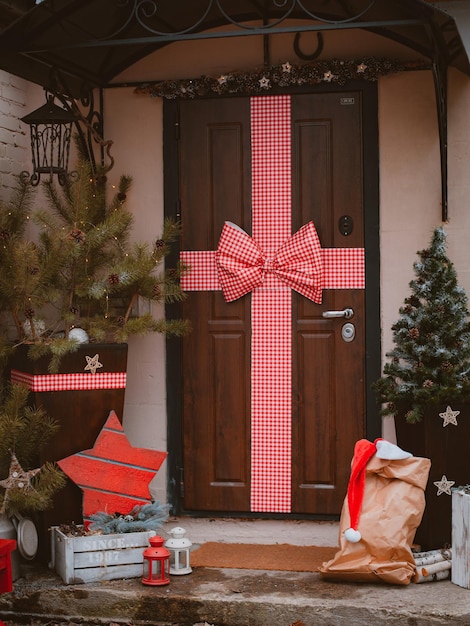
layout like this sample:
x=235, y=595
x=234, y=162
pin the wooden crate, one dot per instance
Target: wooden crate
x=98, y=557
x=461, y=537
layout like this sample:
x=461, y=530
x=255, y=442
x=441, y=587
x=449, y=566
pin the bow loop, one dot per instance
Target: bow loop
x=242, y=265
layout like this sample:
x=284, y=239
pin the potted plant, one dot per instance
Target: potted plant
x=426, y=382
x=70, y=296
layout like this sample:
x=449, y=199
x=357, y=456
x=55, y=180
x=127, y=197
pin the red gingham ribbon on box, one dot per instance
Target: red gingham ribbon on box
x=70, y=382
x=271, y=345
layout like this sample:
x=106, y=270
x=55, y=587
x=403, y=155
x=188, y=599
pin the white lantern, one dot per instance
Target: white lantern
x=179, y=547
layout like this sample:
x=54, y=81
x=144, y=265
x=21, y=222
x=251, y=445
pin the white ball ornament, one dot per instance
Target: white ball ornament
x=80, y=335
x=39, y=327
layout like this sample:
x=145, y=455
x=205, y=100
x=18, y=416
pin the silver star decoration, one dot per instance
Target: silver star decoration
x=286, y=67
x=449, y=417
x=328, y=76
x=93, y=363
x=18, y=478
x=222, y=79
x=361, y=68
x=264, y=83
x=444, y=485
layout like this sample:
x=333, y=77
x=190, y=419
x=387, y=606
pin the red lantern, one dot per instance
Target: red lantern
x=156, y=563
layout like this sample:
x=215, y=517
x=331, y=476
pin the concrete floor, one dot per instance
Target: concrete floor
x=235, y=597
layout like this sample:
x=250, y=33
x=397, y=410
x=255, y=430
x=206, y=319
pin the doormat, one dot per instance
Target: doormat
x=280, y=557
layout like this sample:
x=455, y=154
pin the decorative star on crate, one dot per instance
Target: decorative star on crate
x=93, y=363
x=113, y=475
x=449, y=416
x=18, y=478
x=444, y=485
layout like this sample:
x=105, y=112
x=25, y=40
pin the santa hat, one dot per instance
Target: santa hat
x=364, y=450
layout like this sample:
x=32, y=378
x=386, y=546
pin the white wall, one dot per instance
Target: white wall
x=14, y=135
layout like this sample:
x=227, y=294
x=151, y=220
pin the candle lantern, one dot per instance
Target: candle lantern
x=179, y=547
x=156, y=566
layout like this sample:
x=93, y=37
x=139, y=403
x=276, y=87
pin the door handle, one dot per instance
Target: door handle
x=346, y=313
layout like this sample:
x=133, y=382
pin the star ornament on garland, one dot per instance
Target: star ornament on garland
x=113, y=475
x=93, y=363
x=444, y=485
x=18, y=478
x=449, y=417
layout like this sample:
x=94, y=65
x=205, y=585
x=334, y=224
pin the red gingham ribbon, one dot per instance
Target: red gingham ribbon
x=70, y=382
x=242, y=265
x=342, y=268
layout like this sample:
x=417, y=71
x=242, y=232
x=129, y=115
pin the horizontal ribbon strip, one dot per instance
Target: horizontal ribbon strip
x=343, y=268
x=70, y=382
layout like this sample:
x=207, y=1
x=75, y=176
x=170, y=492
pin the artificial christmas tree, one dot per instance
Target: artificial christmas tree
x=426, y=383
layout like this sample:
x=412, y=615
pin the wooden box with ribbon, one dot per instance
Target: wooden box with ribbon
x=91, y=383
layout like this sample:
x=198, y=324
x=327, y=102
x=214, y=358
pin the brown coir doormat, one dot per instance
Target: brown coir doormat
x=281, y=557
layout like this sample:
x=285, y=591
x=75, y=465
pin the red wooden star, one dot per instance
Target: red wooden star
x=113, y=475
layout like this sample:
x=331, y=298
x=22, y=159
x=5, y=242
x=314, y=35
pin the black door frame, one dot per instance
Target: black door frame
x=174, y=373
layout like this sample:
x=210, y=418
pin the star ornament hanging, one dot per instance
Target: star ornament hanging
x=449, y=417
x=113, y=475
x=93, y=363
x=18, y=478
x=444, y=485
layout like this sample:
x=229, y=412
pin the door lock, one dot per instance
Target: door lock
x=348, y=332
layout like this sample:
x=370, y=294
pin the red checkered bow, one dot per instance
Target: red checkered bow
x=242, y=265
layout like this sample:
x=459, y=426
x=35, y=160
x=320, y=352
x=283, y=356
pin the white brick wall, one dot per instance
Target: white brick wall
x=14, y=135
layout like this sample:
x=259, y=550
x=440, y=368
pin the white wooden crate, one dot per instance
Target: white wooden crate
x=461, y=537
x=98, y=557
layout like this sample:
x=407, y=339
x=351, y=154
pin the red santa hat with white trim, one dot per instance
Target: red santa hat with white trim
x=364, y=450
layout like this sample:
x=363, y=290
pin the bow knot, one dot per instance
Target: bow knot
x=242, y=265
x=270, y=265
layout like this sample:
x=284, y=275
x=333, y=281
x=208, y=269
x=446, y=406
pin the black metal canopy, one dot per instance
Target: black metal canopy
x=93, y=41
x=88, y=43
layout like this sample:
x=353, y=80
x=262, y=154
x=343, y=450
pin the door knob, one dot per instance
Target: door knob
x=346, y=313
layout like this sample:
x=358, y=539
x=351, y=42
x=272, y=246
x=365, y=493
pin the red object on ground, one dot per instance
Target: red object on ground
x=113, y=475
x=6, y=582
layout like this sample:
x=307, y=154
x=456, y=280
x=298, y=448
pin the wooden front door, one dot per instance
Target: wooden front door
x=223, y=450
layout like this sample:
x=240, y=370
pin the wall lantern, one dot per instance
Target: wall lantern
x=156, y=566
x=179, y=547
x=51, y=131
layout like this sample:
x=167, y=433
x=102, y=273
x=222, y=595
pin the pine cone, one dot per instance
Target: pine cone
x=29, y=313
x=120, y=321
x=78, y=235
x=113, y=279
x=33, y=270
x=121, y=196
x=156, y=290
x=160, y=244
x=4, y=235
x=413, y=333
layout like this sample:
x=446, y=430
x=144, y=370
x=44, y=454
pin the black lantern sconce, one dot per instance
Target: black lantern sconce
x=51, y=131
x=52, y=127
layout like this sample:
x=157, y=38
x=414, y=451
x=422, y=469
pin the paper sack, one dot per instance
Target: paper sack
x=380, y=515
